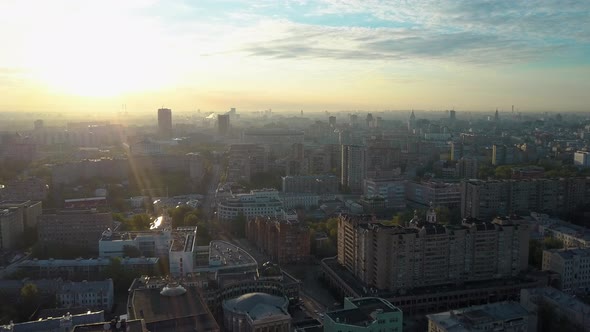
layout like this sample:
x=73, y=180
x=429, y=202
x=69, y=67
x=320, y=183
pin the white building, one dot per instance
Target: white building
x=573, y=267
x=91, y=294
x=572, y=236
x=264, y=202
x=182, y=251
x=150, y=244
x=299, y=200
x=582, y=158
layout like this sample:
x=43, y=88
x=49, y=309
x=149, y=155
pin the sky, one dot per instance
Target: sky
x=95, y=56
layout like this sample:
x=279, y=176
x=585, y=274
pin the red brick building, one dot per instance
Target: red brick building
x=285, y=241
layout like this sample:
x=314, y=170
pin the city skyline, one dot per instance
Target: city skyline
x=292, y=55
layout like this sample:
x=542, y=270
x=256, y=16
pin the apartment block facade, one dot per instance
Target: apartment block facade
x=426, y=253
x=286, y=241
x=81, y=229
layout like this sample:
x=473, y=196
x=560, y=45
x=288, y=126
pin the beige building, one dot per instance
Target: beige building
x=573, y=267
x=425, y=253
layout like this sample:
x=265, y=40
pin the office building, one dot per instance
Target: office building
x=353, y=168
x=367, y=314
x=501, y=316
x=223, y=125
x=87, y=294
x=149, y=243
x=573, y=267
x=437, y=193
x=257, y=312
x=79, y=229
x=316, y=184
x=165, y=122
x=284, y=241
x=182, y=251
x=428, y=253
x=392, y=191
x=563, y=305
x=264, y=202
x=383, y=158
x=489, y=198
x=467, y=168
x=245, y=160
x=11, y=227
x=32, y=188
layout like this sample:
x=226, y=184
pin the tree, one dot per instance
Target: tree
x=503, y=172
x=239, y=225
x=31, y=300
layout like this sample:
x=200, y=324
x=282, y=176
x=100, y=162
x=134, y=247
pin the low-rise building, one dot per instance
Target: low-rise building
x=315, y=184
x=573, y=267
x=434, y=192
x=89, y=294
x=55, y=324
x=564, y=305
x=501, y=316
x=367, y=314
x=264, y=202
x=149, y=243
x=299, y=200
x=182, y=251
x=393, y=191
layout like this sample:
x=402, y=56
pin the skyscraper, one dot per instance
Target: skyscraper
x=223, y=124
x=353, y=167
x=165, y=122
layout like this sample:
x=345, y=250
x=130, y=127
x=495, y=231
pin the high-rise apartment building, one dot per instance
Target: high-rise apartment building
x=80, y=229
x=223, y=124
x=426, y=253
x=11, y=227
x=353, y=167
x=165, y=122
x=489, y=198
x=285, y=241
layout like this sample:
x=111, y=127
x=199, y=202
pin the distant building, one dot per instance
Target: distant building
x=276, y=141
x=256, y=312
x=84, y=269
x=80, y=229
x=11, y=227
x=573, y=267
x=55, y=324
x=264, y=202
x=245, y=160
x=582, y=158
x=392, y=191
x=165, y=122
x=501, y=316
x=284, y=241
x=353, y=167
x=223, y=125
x=317, y=184
x=34, y=189
x=468, y=168
x=31, y=210
x=564, y=305
x=89, y=294
x=489, y=198
x=370, y=314
x=446, y=194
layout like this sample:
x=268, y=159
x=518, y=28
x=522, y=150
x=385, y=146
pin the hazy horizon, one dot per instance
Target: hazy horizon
x=329, y=55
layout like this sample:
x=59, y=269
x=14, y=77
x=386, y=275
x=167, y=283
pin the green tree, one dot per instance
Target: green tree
x=503, y=172
x=31, y=299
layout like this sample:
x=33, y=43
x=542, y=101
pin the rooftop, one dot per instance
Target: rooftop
x=86, y=262
x=148, y=304
x=258, y=305
x=571, y=253
x=365, y=313
x=225, y=255
x=467, y=318
x=562, y=299
x=184, y=239
x=137, y=325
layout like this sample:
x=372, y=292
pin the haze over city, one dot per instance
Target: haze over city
x=291, y=55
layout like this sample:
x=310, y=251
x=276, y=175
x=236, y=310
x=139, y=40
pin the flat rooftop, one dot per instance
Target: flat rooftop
x=184, y=239
x=466, y=318
x=225, y=254
x=149, y=305
x=365, y=312
x=137, y=325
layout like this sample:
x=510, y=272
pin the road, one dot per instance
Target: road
x=210, y=196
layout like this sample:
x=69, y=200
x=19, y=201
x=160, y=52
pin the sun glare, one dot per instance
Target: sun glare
x=100, y=59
